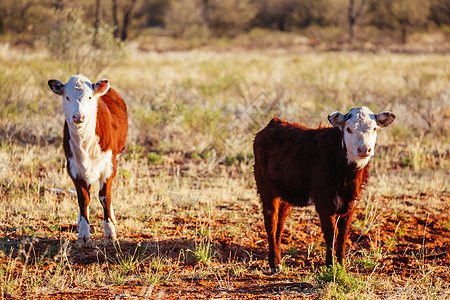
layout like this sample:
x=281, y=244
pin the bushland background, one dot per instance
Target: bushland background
x=200, y=78
x=330, y=22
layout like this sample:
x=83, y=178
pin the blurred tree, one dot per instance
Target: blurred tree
x=70, y=41
x=276, y=13
x=228, y=17
x=285, y=15
x=127, y=7
x=59, y=4
x=354, y=16
x=98, y=18
x=16, y=14
x=206, y=13
x=24, y=20
x=2, y=22
x=153, y=11
x=440, y=12
x=400, y=15
x=184, y=18
x=115, y=18
x=127, y=16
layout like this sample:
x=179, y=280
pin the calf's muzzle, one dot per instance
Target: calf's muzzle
x=78, y=118
x=364, y=152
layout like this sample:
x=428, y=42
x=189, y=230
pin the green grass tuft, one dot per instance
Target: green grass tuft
x=338, y=275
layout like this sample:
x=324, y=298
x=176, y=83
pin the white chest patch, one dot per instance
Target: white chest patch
x=88, y=162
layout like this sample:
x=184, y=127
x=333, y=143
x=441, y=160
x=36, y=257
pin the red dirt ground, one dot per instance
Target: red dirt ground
x=407, y=241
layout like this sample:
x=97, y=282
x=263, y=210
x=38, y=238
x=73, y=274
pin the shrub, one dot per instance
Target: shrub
x=72, y=43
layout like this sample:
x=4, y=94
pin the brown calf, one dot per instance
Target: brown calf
x=327, y=167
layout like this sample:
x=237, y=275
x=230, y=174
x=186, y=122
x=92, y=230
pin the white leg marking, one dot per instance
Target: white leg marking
x=109, y=230
x=83, y=229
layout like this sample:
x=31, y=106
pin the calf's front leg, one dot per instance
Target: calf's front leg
x=329, y=229
x=109, y=220
x=343, y=229
x=83, y=195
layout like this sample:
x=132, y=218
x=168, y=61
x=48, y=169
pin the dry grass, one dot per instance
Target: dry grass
x=188, y=214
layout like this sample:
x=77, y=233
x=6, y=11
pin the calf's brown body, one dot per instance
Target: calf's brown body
x=299, y=166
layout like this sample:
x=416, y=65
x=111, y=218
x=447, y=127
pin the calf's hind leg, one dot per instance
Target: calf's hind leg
x=271, y=221
x=283, y=213
x=109, y=220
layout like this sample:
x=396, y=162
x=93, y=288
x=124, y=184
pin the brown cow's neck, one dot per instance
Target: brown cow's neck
x=350, y=185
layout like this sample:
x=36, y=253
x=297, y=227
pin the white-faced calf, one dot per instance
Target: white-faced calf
x=95, y=131
x=327, y=167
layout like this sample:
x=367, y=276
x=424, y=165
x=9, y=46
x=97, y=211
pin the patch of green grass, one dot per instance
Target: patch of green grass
x=134, y=151
x=127, y=263
x=8, y=280
x=238, y=270
x=53, y=227
x=338, y=275
x=292, y=251
x=155, y=158
x=370, y=217
x=367, y=260
x=202, y=252
x=125, y=173
x=446, y=225
x=28, y=230
x=116, y=275
x=237, y=159
x=221, y=77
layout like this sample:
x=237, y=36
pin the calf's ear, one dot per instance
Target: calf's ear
x=56, y=86
x=385, y=118
x=101, y=87
x=337, y=119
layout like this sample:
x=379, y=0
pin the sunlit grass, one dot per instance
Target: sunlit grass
x=188, y=163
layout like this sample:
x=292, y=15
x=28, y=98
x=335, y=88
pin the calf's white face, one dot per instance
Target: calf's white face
x=80, y=99
x=359, y=127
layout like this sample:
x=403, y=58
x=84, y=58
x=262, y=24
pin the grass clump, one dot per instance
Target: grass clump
x=123, y=265
x=203, y=252
x=155, y=158
x=368, y=260
x=128, y=263
x=341, y=280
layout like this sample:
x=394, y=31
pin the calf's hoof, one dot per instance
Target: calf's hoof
x=279, y=268
x=109, y=231
x=84, y=231
x=83, y=240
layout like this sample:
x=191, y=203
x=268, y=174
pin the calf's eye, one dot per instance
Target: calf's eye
x=67, y=98
x=349, y=130
x=90, y=97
